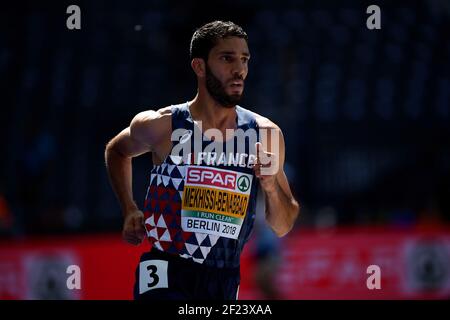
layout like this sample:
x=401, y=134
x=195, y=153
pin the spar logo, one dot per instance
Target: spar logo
x=211, y=177
x=243, y=183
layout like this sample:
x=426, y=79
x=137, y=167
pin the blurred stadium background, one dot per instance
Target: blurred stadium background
x=365, y=114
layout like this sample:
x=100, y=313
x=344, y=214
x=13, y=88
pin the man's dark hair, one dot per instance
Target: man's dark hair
x=205, y=37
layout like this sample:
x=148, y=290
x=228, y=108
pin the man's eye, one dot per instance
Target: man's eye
x=226, y=58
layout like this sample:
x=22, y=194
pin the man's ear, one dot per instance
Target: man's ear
x=198, y=65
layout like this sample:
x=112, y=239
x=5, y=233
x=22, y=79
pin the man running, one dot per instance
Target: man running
x=210, y=158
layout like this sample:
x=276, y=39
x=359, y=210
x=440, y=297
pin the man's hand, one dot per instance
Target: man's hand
x=266, y=168
x=133, y=227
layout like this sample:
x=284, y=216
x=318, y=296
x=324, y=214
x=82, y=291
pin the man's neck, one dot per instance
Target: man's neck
x=204, y=108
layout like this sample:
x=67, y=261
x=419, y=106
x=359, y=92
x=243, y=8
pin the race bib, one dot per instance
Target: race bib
x=215, y=201
x=152, y=275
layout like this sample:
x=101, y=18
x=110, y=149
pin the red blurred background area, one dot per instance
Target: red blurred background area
x=36, y=268
x=414, y=264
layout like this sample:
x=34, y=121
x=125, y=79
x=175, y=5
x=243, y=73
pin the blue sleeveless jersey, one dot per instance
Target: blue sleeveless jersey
x=201, y=205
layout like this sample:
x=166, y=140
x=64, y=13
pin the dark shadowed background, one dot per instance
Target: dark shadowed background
x=365, y=113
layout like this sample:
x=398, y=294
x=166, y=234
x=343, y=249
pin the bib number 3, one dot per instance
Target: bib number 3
x=152, y=275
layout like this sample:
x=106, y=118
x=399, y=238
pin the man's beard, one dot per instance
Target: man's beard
x=217, y=91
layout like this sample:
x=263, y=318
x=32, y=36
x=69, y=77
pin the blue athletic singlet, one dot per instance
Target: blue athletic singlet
x=201, y=206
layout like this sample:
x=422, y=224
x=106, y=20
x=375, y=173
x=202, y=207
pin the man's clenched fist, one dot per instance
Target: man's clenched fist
x=133, y=227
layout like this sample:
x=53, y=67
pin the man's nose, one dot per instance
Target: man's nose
x=239, y=69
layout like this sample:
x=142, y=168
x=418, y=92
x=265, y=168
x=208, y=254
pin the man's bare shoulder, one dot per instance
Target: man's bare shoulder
x=271, y=130
x=151, y=125
x=264, y=122
x=159, y=115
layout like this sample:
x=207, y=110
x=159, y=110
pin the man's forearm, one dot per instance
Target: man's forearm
x=120, y=176
x=281, y=211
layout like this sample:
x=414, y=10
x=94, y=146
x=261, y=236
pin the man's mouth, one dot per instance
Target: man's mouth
x=237, y=83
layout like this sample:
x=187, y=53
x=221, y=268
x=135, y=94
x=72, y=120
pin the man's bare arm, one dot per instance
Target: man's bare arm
x=146, y=129
x=118, y=155
x=281, y=207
